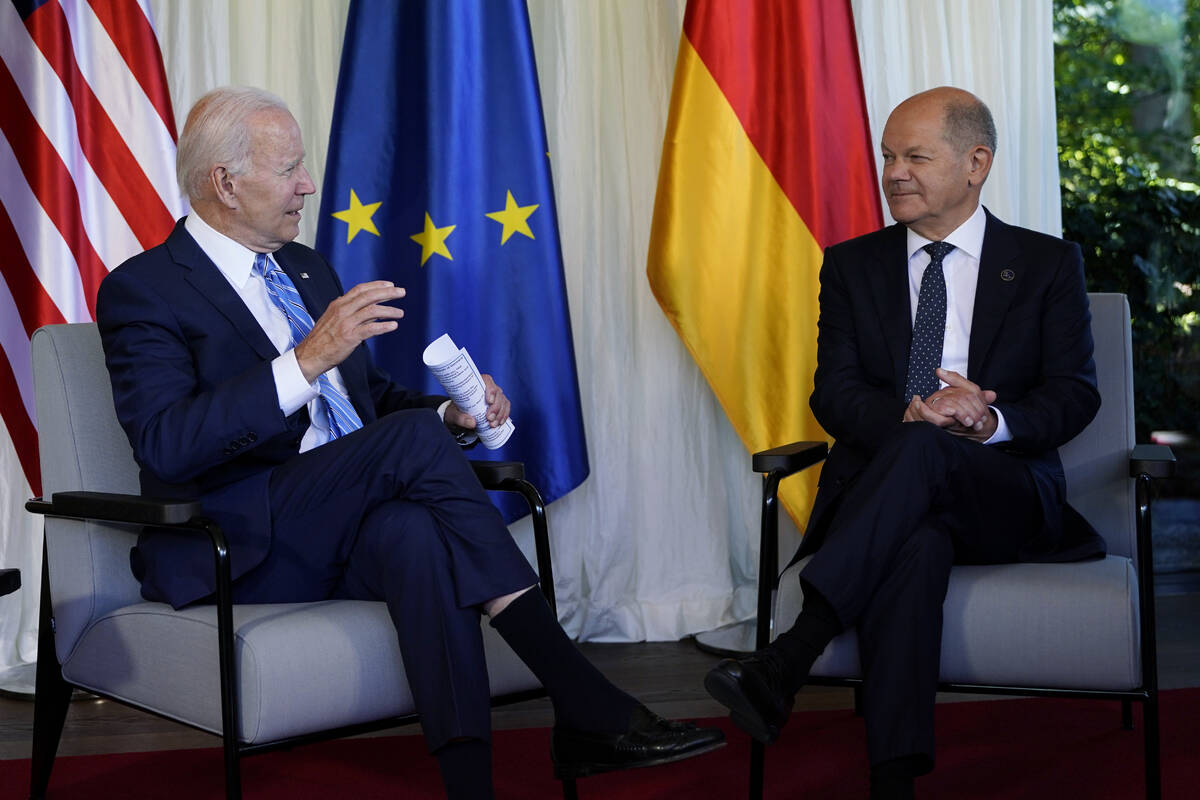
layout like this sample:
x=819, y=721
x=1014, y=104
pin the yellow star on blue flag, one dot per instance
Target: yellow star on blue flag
x=357, y=217
x=433, y=240
x=514, y=218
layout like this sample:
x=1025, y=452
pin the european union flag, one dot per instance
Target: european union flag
x=438, y=179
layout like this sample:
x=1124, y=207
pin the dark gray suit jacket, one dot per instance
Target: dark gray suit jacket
x=1031, y=343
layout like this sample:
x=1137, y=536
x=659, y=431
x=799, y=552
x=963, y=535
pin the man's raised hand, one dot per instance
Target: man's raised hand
x=349, y=320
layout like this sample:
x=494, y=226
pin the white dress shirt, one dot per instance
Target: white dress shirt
x=961, y=268
x=236, y=263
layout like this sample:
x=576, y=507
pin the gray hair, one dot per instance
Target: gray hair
x=217, y=132
x=969, y=123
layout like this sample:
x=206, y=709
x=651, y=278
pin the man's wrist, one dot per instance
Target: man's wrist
x=1001, y=433
x=292, y=389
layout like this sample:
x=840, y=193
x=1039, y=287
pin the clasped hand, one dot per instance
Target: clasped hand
x=961, y=408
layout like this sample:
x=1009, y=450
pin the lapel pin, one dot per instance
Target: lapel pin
x=1005, y=275
x=304, y=275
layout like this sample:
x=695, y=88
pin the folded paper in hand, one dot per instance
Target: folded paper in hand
x=458, y=375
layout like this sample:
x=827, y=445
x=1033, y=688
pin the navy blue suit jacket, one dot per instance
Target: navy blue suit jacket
x=194, y=391
x=1031, y=343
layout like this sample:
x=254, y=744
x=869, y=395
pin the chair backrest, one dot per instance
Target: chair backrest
x=1097, y=460
x=82, y=447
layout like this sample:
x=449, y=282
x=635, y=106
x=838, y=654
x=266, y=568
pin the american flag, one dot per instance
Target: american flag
x=87, y=154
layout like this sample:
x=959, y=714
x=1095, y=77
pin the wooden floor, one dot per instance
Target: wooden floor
x=666, y=676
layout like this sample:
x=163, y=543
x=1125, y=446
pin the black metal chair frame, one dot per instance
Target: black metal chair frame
x=53, y=692
x=1146, y=462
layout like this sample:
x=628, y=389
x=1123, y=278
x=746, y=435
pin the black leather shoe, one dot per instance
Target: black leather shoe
x=648, y=740
x=752, y=688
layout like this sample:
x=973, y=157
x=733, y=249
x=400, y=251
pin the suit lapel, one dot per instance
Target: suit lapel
x=304, y=285
x=887, y=280
x=1000, y=275
x=204, y=276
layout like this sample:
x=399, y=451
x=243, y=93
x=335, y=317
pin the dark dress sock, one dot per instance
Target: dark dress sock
x=584, y=700
x=893, y=779
x=895, y=787
x=466, y=769
x=803, y=643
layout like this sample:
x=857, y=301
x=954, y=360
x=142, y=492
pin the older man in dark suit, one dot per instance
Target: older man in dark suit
x=954, y=357
x=240, y=375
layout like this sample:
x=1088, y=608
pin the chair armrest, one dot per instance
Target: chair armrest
x=789, y=458
x=1155, y=460
x=10, y=580
x=492, y=474
x=112, y=507
x=509, y=476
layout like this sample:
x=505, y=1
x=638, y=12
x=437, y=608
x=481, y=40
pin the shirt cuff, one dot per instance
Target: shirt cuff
x=1002, y=434
x=292, y=390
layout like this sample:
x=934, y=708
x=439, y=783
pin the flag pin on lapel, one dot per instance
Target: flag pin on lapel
x=1005, y=275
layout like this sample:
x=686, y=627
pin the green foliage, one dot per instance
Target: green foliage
x=1127, y=77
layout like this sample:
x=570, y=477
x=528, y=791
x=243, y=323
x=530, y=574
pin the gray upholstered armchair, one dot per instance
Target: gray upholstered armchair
x=259, y=676
x=1083, y=629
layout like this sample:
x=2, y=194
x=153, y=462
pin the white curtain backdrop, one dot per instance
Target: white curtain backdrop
x=661, y=540
x=1003, y=51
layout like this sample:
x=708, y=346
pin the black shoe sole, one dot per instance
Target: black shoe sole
x=565, y=772
x=727, y=691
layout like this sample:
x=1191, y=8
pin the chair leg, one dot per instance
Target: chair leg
x=570, y=791
x=52, y=696
x=757, y=768
x=233, y=771
x=1127, y=715
x=1153, y=760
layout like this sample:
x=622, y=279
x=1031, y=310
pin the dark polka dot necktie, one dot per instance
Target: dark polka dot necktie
x=929, y=328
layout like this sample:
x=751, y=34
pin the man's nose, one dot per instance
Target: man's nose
x=306, y=185
x=895, y=171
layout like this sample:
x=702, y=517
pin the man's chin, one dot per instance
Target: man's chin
x=903, y=212
x=291, y=230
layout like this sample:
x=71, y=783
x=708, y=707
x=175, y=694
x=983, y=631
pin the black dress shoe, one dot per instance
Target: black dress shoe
x=648, y=740
x=752, y=688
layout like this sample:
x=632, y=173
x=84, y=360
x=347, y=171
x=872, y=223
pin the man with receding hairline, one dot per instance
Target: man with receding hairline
x=241, y=377
x=993, y=321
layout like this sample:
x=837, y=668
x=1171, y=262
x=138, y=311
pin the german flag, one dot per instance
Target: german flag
x=767, y=160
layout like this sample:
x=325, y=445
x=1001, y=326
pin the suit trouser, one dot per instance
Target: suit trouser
x=925, y=501
x=394, y=512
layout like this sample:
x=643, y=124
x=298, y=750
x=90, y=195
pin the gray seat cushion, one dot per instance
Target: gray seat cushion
x=1069, y=625
x=302, y=667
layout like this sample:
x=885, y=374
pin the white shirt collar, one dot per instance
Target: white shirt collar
x=235, y=260
x=967, y=238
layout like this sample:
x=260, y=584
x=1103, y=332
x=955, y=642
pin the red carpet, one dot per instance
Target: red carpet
x=989, y=750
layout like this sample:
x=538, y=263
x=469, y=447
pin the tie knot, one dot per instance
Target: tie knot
x=937, y=251
x=260, y=264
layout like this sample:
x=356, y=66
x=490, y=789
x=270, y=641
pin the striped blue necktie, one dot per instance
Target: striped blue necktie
x=929, y=328
x=342, y=417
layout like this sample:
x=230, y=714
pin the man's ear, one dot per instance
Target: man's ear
x=222, y=181
x=980, y=164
